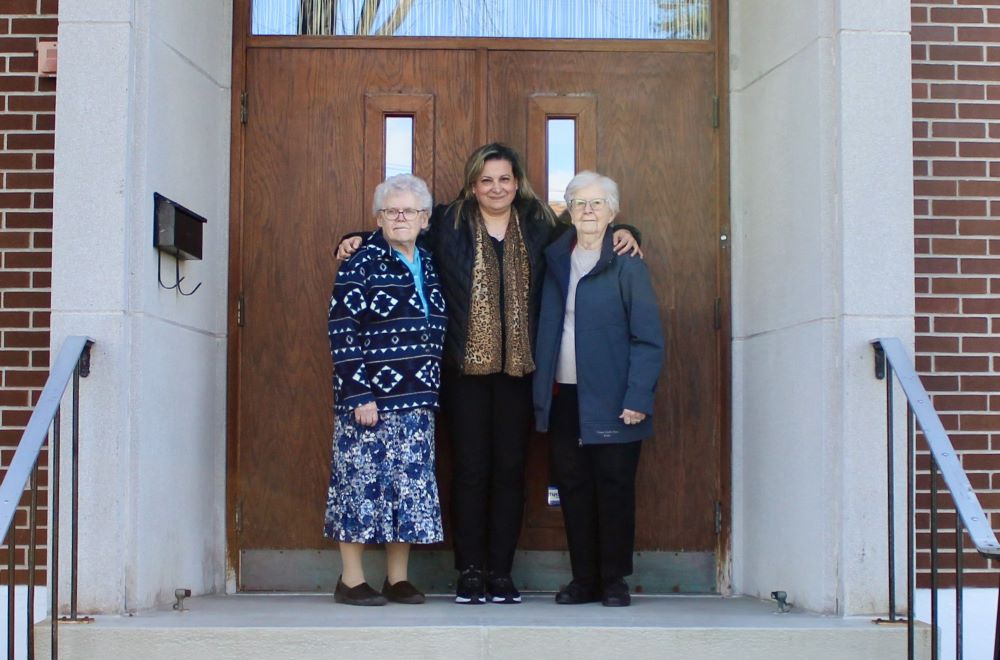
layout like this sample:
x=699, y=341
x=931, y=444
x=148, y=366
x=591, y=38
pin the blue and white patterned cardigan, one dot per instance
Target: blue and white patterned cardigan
x=384, y=348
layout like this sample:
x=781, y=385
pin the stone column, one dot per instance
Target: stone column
x=143, y=107
x=822, y=263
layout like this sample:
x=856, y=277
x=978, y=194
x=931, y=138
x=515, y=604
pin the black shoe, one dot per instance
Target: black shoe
x=402, y=592
x=362, y=594
x=578, y=592
x=616, y=594
x=470, y=590
x=502, y=589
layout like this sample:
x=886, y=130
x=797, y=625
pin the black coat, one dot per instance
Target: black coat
x=454, y=252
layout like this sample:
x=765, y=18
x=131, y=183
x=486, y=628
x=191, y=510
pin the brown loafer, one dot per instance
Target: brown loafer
x=402, y=592
x=361, y=594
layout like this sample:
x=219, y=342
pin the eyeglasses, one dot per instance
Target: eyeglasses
x=408, y=214
x=596, y=205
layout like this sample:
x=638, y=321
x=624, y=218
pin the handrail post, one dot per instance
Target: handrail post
x=75, y=491
x=54, y=533
x=958, y=586
x=996, y=631
x=911, y=529
x=32, y=528
x=934, y=562
x=883, y=371
x=891, y=487
x=11, y=621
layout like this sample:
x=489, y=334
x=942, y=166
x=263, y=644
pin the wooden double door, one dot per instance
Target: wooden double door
x=312, y=152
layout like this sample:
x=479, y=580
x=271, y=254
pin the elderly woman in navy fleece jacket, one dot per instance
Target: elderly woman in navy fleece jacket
x=387, y=321
x=601, y=307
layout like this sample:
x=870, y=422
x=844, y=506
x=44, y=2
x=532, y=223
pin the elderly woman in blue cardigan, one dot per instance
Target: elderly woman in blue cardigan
x=598, y=356
x=386, y=323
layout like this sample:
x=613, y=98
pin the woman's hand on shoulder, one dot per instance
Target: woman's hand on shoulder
x=347, y=247
x=624, y=243
x=367, y=415
x=631, y=416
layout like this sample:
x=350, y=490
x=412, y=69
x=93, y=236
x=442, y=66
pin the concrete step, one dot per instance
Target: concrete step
x=304, y=627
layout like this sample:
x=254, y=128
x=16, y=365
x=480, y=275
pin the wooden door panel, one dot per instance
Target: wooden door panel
x=655, y=138
x=303, y=189
x=307, y=180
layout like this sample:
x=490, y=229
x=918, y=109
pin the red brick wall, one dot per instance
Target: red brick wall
x=27, y=123
x=956, y=184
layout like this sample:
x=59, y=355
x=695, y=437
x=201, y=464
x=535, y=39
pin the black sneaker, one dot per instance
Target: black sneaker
x=470, y=590
x=502, y=589
x=616, y=594
x=578, y=592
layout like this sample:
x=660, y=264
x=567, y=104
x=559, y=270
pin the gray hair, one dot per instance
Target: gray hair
x=588, y=178
x=403, y=183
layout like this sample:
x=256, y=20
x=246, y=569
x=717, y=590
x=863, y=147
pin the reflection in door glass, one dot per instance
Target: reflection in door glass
x=398, y=145
x=560, y=159
x=548, y=19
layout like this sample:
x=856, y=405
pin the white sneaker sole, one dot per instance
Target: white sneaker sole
x=501, y=599
x=462, y=600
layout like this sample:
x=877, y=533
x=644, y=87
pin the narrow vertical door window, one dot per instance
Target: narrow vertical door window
x=398, y=145
x=560, y=159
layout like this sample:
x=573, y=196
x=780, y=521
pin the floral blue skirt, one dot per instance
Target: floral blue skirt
x=382, y=483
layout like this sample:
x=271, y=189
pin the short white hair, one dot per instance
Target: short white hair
x=402, y=183
x=588, y=178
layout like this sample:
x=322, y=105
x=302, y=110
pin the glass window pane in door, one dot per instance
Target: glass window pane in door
x=541, y=19
x=560, y=160
x=398, y=146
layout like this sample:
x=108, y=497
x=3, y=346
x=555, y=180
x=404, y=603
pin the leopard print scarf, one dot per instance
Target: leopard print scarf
x=482, y=346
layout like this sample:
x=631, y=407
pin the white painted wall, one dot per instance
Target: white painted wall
x=979, y=607
x=143, y=106
x=41, y=608
x=822, y=263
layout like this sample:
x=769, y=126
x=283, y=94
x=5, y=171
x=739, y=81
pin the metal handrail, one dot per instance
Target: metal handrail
x=941, y=449
x=37, y=429
x=891, y=356
x=71, y=364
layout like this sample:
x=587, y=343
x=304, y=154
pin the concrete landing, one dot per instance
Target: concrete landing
x=303, y=627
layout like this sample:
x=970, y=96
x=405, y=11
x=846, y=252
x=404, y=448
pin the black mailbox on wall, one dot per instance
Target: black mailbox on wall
x=176, y=230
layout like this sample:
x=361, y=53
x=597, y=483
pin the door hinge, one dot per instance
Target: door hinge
x=239, y=517
x=244, y=111
x=718, y=313
x=718, y=517
x=240, y=305
x=715, y=112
